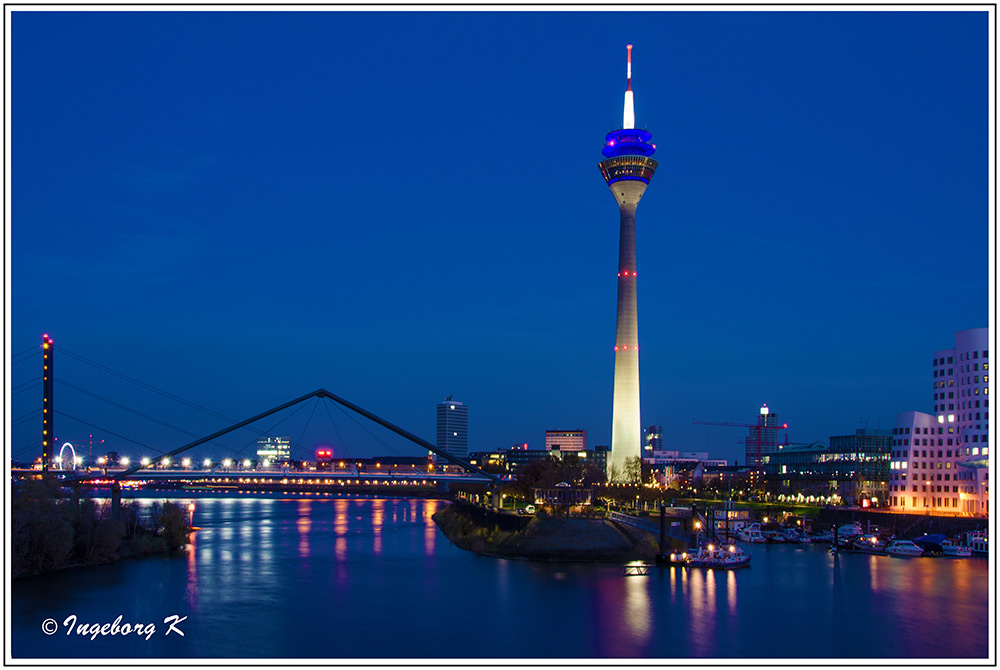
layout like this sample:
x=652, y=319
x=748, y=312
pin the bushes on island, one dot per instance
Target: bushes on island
x=50, y=531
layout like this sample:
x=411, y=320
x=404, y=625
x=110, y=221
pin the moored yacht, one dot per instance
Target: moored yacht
x=903, y=548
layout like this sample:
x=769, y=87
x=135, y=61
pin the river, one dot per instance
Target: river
x=305, y=576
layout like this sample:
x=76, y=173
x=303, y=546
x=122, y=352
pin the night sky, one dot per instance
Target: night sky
x=241, y=207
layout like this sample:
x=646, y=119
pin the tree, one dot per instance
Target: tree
x=41, y=531
x=173, y=522
x=632, y=472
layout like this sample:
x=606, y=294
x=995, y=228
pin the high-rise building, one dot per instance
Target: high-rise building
x=274, y=450
x=453, y=428
x=627, y=169
x=940, y=463
x=652, y=440
x=566, y=440
x=763, y=438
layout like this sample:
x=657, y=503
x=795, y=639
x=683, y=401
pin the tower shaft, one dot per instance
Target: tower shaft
x=626, y=428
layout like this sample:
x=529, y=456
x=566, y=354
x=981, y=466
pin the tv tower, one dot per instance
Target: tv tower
x=627, y=168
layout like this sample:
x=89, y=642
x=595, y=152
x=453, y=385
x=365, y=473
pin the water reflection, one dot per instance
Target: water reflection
x=637, y=609
x=702, y=611
x=378, y=518
x=731, y=591
x=430, y=528
x=340, y=525
x=192, y=565
x=304, y=524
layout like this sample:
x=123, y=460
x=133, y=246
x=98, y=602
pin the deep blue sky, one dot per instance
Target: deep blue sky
x=242, y=207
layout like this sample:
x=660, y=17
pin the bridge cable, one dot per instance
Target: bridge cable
x=122, y=437
x=147, y=386
x=308, y=421
x=336, y=429
x=28, y=350
x=21, y=450
x=20, y=358
x=370, y=433
x=63, y=382
x=18, y=421
x=26, y=386
x=267, y=432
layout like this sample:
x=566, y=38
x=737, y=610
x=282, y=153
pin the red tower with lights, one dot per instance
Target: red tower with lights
x=48, y=435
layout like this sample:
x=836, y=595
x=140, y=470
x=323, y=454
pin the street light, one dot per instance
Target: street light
x=186, y=463
x=207, y=462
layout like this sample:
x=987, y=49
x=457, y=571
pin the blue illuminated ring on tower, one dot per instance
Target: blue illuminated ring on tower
x=628, y=142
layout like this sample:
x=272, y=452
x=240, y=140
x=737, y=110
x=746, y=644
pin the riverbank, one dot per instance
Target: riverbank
x=50, y=532
x=544, y=539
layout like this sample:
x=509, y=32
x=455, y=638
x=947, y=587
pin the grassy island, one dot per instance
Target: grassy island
x=542, y=538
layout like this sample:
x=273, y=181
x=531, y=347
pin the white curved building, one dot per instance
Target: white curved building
x=940, y=462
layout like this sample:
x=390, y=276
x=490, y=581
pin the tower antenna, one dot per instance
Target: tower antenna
x=629, y=117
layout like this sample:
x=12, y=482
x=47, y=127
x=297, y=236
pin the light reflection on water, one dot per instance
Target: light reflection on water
x=359, y=567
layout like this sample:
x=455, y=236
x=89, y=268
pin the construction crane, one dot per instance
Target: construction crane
x=760, y=427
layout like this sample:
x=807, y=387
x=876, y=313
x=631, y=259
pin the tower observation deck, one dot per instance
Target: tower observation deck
x=627, y=168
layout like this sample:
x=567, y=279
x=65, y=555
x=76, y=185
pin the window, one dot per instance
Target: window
x=975, y=354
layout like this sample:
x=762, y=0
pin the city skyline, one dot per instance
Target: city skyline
x=241, y=225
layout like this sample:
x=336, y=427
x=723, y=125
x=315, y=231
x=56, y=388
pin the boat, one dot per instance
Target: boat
x=869, y=543
x=903, y=548
x=952, y=550
x=978, y=541
x=751, y=534
x=848, y=530
x=931, y=544
x=825, y=537
x=723, y=558
x=793, y=535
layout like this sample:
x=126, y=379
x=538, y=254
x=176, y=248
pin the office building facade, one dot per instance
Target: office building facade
x=452, y=428
x=566, y=440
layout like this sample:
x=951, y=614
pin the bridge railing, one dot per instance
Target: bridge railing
x=649, y=525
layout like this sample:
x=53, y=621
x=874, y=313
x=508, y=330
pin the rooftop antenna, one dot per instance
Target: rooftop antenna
x=629, y=117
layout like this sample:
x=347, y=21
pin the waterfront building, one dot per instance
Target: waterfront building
x=652, y=440
x=274, y=450
x=671, y=466
x=452, y=428
x=627, y=168
x=855, y=467
x=566, y=440
x=940, y=462
x=517, y=456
